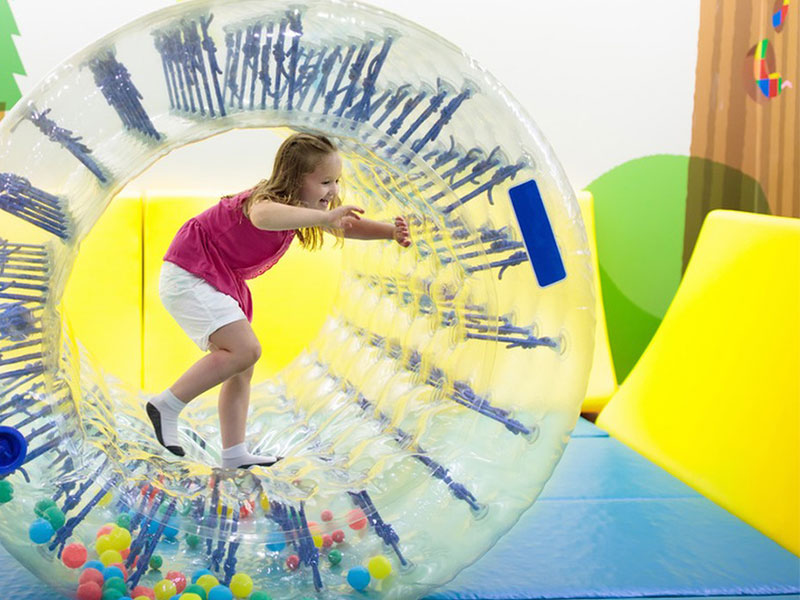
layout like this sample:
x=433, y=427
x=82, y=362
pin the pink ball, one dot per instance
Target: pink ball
x=74, y=555
x=356, y=519
x=140, y=590
x=327, y=515
x=105, y=529
x=338, y=536
x=327, y=541
x=293, y=562
x=91, y=575
x=89, y=591
x=178, y=578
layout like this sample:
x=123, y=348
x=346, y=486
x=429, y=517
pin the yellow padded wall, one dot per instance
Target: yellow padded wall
x=290, y=301
x=602, y=377
x=715, y=397
x=103, y=297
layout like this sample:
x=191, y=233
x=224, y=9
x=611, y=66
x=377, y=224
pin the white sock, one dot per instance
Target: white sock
x=238, y=456
x=168, y=408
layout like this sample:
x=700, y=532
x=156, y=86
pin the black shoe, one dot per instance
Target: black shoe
x=155, y=419
x=261, y=464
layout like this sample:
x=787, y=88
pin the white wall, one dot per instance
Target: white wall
x=605, y=81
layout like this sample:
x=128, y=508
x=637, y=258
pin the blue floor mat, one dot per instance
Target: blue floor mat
x=609, y=524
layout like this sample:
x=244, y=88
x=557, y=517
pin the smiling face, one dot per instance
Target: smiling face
x=320, y=187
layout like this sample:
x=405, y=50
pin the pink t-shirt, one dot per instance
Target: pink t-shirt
x=222, y=246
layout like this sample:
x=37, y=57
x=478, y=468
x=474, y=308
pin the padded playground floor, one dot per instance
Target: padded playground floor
x=609, y=524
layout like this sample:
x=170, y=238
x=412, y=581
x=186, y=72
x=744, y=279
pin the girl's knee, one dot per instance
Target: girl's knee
x=247, y=356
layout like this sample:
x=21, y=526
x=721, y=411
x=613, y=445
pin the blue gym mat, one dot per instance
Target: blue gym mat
x=609, y=524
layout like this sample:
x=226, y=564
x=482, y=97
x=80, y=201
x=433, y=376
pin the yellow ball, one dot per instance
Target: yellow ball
x=190, y=596
x=379, y=567
x=110, y=557
x=104, y=543
x=165, y=589
x=105, y=500
x=317, y=540
x=207, y=582
x=229, y=511
x=241, y=585
x=264, y=500
x=120, y=538
x=141, y=598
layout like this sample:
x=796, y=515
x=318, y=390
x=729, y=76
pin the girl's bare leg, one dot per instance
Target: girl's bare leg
x=234, y=399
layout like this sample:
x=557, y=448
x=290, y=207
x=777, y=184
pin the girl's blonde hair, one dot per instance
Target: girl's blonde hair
x=298, y=155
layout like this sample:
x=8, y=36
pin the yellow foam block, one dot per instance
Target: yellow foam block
x=602, y=377
x=715, y=397
x=103, y=297
x=291, y=301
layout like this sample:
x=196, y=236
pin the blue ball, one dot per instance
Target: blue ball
x=220, y=592
x=171, y=530
x=112, y=571
x=358, y=578
x=199, y=573
x=94, y=564
x=276, y=541
x=41, y=531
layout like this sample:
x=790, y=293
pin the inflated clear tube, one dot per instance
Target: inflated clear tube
x=437, y=398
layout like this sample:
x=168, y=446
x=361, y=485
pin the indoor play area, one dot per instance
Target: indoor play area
x=556, y=391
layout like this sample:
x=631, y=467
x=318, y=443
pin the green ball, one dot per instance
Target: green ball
x=335, y=557
x=112, y=594
x=42, y=506
x=260, y=596
x=6, y=491
x=199, y=590
x=124, y=520
x=55, y=517
x=155, y=562
x=192, y=540
x=115, y=583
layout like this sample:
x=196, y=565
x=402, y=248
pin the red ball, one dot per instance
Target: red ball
x=122, y=568
x=105, y=529
x=327, y=515
x=338, y=536
x=356, y=519
x=178, y=578
x=125, y=553
x=293, y=562
x=74, y=555
x=327, y=541
x=91, y=575
x=89, y=591
x=140, y=590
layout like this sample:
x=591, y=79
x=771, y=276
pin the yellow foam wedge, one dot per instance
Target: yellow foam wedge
x=715, y=397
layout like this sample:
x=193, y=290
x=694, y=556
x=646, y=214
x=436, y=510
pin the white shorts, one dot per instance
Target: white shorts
x=198, y=307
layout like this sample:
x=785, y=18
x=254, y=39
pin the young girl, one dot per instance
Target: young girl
x=203, y=277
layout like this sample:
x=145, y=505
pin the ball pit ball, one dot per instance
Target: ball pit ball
x=115, y=583
x=89, y=591
x=260, y=596
x=120, y=539
x=141, y=591
x=155, y=562
x=179, y=579
x=195, y=590
x=103, y=543
x=121, y=567
x=192, y=540
x=105, y=500
x=338, y=536
x=40, y=531
x=358, y=578
x=104, y=530
x=334, y=557
x=55, y=517
x=165, y=589
x=293, y=562
x=6, y=491
x=112, y=571
x=199, y=573
x=241, y=585
x=327, y=541
x=356, y=519
x=276, y=541
x=110, y=557
x=207, y=582
x=124, y=520
x=42, y=506
x=91, y=574
x=220, y=592
x=379, y=567
x=74, y=555
x=191, y=596
x=318, y=541
x=326, y=515
x=113, y=594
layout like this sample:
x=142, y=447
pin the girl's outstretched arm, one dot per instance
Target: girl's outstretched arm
x=367, y=229
x=274, y=216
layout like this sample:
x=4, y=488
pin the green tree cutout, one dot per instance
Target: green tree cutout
x=10, y=62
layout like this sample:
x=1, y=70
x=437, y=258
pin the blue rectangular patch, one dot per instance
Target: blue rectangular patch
x=537, y=233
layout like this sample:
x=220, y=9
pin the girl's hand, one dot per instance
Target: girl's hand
x=400, y=234
x=343, y=217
